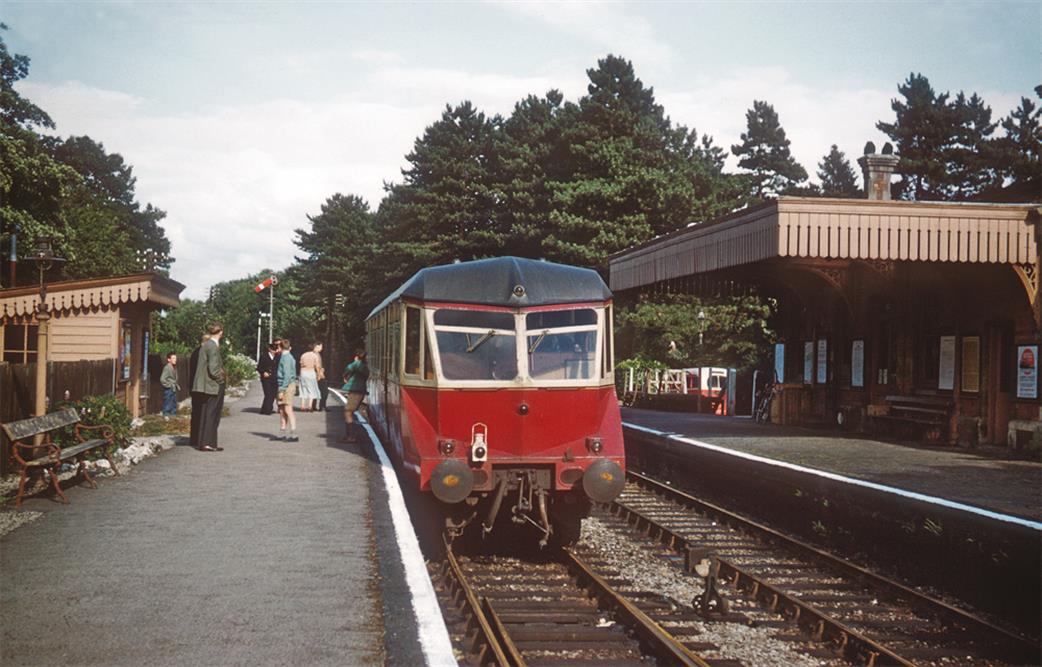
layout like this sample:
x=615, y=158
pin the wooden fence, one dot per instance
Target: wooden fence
x=72, y=380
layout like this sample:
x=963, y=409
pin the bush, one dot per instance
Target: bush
x=239, y=368
x=104, y=409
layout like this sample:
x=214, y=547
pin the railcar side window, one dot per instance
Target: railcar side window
x=562, y=344
x=476, y=345
x=412, y=341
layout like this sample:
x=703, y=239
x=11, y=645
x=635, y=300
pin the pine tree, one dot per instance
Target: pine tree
x=1017, y=153
x=764, y=151
x=446, y=207
x=971, y=158
x=838, y=178
x=922, y=133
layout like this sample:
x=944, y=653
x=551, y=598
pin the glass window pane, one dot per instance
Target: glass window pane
x=566, y=356
x=481, y=319
x=412, y=341
x=31, y=340
x=14, y=337
x=473, y=356
x=561, y=318
x=14, y=357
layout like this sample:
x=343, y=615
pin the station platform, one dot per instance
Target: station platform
x=266, y=553
x=976, y=479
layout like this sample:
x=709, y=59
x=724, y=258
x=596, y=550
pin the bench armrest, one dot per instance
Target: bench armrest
x=107, y=432
x=53, y=451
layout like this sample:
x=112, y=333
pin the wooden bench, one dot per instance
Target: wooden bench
x=922, y=412
x=46, y=457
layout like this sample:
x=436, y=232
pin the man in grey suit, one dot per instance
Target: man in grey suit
x=208, y=384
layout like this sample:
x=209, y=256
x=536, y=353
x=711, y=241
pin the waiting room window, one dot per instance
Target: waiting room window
x=19, y=343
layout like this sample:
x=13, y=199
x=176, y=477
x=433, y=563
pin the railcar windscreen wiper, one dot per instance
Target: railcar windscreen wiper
x=485, y=336
x=539, y=339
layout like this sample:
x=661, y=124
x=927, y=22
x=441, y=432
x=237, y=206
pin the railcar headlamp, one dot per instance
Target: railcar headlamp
x=594, y=444
x=446, y=447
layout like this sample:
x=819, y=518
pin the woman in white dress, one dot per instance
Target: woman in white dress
x=310, y=367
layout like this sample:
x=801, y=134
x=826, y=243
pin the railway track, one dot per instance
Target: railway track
x=840, y=607
x=565, y=609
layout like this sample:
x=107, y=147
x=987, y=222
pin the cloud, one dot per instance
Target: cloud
x=237, y=180
x=601, y=24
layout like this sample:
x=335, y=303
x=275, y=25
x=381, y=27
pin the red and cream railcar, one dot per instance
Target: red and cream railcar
x=492, y=383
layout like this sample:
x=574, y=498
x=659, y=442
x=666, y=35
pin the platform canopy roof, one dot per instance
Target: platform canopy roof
x=91, y=294
x=823, y=228
x=495, y=282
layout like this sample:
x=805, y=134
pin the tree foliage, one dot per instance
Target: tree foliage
x=837, y=176
x=764, y=151
x=70, y=190
x=735, y=331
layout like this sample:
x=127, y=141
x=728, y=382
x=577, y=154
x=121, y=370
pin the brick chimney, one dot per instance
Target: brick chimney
x=876, y=169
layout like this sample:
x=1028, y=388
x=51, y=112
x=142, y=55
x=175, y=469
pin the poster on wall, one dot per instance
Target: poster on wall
x=144, y=355
x=946, y=364
x=857, y=363
x=970, y=380
x=779, y=362
x=808, y=362
x=823, y=361
x=1027, y=371
x=124, y=353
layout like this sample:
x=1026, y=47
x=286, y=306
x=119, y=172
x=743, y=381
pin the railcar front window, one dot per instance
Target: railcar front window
x=562, y=344
x=476, y=345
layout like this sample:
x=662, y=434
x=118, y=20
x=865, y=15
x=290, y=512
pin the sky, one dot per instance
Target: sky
x=242, y=118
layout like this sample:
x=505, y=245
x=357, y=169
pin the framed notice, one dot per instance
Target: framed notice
x=808, y=362
x=857, y=363
x=823, y=361
x=970, y=380
x=1027, y=371
x=946, y=363
x=779, y=362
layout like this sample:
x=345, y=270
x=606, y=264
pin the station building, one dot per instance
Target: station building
x=102, y=322
x=899, y=311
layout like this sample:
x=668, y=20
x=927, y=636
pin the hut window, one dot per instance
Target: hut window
x=19, y=343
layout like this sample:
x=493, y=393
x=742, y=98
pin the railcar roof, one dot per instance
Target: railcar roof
x=492, y=282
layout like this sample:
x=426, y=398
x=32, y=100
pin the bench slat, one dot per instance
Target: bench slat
x=911, y=420
x=25, y=428
x=912, y=408
x=920, y=400
x=75, y=450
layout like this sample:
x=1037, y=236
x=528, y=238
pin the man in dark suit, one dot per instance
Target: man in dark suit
x=209, y=381
x=266, y=367
x=198, y=398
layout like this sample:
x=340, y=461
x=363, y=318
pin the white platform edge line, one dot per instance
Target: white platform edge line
x=434, y=636
x=951, y=504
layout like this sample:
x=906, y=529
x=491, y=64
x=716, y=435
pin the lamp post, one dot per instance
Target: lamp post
x=44, y=258
x=701, y=324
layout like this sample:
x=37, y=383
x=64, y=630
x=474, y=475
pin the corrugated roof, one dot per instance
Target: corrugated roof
x=492, y=282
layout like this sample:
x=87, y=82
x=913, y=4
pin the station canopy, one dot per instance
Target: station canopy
x=495, y=282
x=821, y=228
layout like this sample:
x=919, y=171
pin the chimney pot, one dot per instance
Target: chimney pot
x=876, y=170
